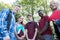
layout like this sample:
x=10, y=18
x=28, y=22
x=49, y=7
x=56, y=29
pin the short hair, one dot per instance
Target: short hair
x=17, y=5
x=29, y=15
x=53, y=1
x=40, y=11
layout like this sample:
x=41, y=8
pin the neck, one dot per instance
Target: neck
x=30, y=20
x=13, y=11
x=19, y=22
x=42, y=16
x=54, y=9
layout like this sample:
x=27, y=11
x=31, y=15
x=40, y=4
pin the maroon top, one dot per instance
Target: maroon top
x=21, y=34
x=30, y=26
x=42, y=25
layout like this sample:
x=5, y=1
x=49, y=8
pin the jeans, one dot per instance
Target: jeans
x=57, y=23
x=48, y=37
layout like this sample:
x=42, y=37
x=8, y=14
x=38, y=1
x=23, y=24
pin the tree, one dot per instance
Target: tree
x=3, y=5
x=32, y=6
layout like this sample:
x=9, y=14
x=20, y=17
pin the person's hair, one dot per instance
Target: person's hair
x=17, y=5
x=40, y=11
x=29, y=15
x=56, y=2
x=22, y=21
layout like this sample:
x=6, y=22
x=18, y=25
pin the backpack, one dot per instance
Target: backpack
x=57, y=22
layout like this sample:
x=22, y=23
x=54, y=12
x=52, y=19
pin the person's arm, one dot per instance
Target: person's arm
x=36, y=30
x=17, y=34
x=15, y=31
x=45, y=27
x=26, y=33
x=35, y=34
x=23, y=29
x=52, y=27
x=5, y=33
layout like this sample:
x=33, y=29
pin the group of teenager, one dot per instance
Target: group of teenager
x=12, y=30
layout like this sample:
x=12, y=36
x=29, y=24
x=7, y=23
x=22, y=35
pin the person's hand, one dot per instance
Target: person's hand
x=41, y=37
x=33, y=39
x=20, y=38
x=6, y=38
x=29, y=39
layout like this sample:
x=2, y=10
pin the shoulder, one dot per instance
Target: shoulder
x=47, y=18
x=56, y=11
x=16, y=24
x=27, y=24
x=34, y=22
x=6, y=9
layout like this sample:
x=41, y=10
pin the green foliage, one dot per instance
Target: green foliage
x=29, y=7
x=16, y=16
x=3, y=5
x=32, y=6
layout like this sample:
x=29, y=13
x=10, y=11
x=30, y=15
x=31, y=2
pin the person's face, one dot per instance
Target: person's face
x=40, y=14
x=16, y=8
x=29, y=18
x=53, y=5
x=20, y=19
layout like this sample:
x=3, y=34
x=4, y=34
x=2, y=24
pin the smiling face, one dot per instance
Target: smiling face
x=16, y=8
x=53, y=5
x=29, y=17
x=20, y=19
x=40, y=13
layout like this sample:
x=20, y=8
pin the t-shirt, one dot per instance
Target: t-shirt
x=20, y=29
x=30, y=26
x=42, y=25
x=55, y=15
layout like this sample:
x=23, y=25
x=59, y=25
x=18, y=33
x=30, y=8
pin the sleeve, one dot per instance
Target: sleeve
x=12, y=26
x=36, y=25
x=26, y=26
x=47, y=19
x=51, y=17
x=4, y=29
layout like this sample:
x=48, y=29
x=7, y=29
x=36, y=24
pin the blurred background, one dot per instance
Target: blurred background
x=29, y=7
